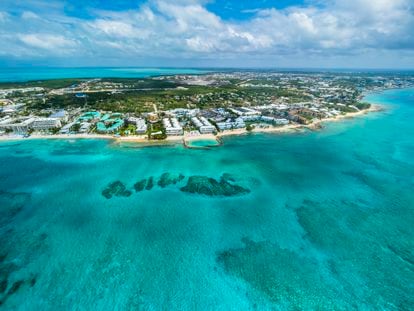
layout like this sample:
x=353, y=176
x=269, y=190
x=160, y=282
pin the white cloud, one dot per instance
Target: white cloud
x=47, y=41
x=186, y=29
x=118, y=29
x=29, y=15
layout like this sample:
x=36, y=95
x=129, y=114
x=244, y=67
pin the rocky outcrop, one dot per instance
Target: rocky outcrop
x=140, y=185
x=117, y=189
x=150, y=183
x=167, y=179
x=226, y=186
x=211, y=187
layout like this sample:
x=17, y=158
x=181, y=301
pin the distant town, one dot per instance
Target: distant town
x=185, y=105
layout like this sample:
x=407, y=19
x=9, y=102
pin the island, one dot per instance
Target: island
x=186, y=107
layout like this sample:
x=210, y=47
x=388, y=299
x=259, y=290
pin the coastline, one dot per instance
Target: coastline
x=291, y=128
x=143, y=140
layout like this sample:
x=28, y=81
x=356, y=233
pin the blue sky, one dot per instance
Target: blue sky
x=203, y=33
x=226, y=9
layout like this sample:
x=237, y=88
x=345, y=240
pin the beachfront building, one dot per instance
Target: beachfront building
x=203, y=125
x=66, y=129
x=110, y=123
x=264, y=119
x=89, y=116
x=19, y=126
x=230, y=125
x=45, y=124
x=252, y=118
x=140, y=124
x=85, y=127
x=281, y=121
x=172, y=127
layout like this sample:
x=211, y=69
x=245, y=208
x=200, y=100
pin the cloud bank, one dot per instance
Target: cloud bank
x=372, y=32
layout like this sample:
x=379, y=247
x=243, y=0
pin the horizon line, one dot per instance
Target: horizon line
x=213, y=67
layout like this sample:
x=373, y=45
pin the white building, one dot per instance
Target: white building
x=11, y=108
x=20, y=126
x=253, y=118
x=6, y=120
x=141, y=126
x=230, y=125
x=61, y=114
x=172, y=127
x=183, y=112
x=281, y=121
x=203, y=125
x=66, y=128
x=85, y=127
x=225, y=125
x=43, y=124
x=139, y=123
x=244, y=111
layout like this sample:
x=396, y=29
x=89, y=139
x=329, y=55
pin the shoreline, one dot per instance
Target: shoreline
x=187, y=137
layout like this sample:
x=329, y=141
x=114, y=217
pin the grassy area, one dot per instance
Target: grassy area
x=157, y=128
x=128, y=129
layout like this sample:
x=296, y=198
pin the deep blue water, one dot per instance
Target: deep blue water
x=45, y=73
x=327, y=225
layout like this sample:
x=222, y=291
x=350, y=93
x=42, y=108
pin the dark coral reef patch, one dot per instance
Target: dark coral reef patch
x=116, y=188
x=225, y=186
x=150, y=183
x=212, y=187
x=140, y=185
x=167, y=179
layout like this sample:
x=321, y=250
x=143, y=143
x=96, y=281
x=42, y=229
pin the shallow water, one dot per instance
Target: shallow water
x=203, y=143
x=327, y=224
x=45, y=73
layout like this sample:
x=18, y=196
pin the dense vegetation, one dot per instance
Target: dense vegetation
x=146, y=95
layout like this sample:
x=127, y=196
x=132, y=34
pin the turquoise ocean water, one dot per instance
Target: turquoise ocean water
x=46, y=73
x=327, y=225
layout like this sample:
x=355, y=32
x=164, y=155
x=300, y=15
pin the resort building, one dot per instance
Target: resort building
x=203, y=125
x=244, y=111
x=230, y=125
x=6, y=120
x=85, y=127
x=45, y=124
x=20, y=126
x=11, y=109
x=61, y=114
x=281, y=121
x=141, y=126
x=265, y=119
x=172, y=127
x=252, y=118
x=66, y=129
x=90, y=116
x=183, y=112
x=110, y=123
x=222, y=126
